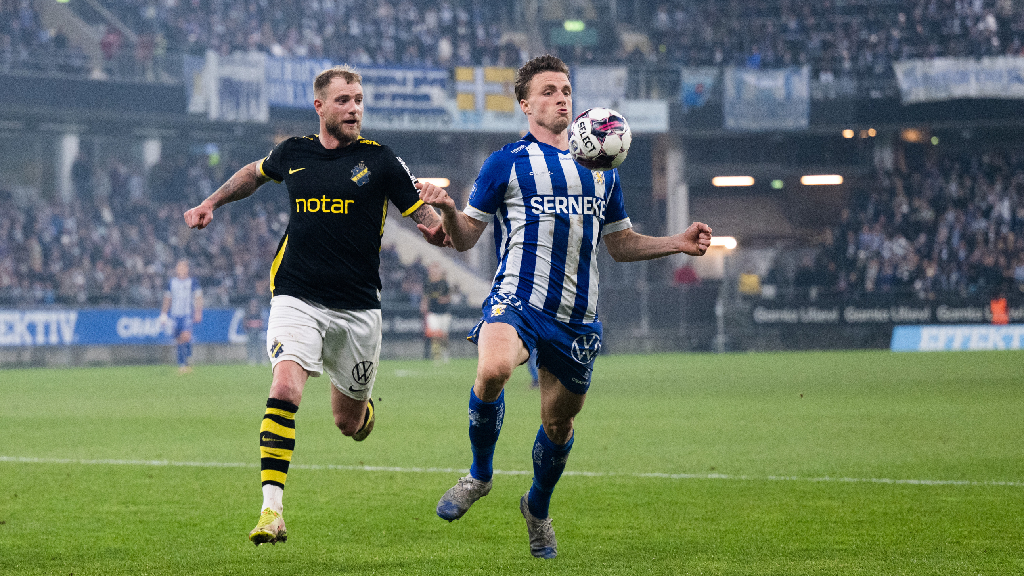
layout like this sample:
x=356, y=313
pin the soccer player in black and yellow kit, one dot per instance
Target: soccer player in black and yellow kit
x=325, y=280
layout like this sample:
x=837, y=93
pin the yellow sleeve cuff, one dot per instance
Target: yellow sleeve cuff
x=265, y=174
x=413, y=208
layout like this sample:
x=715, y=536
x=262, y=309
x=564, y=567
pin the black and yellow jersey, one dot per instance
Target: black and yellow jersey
x=330, y=253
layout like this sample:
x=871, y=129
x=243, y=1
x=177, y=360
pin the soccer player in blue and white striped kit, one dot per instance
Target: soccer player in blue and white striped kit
x=549, y=216
x=183, y=307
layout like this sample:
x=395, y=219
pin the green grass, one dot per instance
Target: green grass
x=784, y=463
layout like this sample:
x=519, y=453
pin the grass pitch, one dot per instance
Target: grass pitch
x=798, y=463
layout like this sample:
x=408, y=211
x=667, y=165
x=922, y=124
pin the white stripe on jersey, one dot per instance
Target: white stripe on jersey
x=549, y=215
x=182, y=292
x=545, y=231
x=572, y=260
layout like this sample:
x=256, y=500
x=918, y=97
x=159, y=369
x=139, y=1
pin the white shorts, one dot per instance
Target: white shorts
x=343, y=343
x=438, y=325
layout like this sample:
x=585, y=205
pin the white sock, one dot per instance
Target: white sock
x=273, y=498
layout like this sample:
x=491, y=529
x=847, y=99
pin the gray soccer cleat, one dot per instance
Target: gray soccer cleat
x=542, y=535
x=457, y=500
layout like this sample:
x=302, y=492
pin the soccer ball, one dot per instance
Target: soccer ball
x=599, y=139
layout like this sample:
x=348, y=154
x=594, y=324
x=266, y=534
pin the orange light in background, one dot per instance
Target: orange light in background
x=821, y=179
x=847, y=133
x=727, y=242
x=439, y=182
x=872, y=132
x=912, y=135
x=732, y=181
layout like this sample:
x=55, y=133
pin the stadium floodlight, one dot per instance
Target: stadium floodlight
x=732, y=181
x=574, y=25
x=439, y=182
x=821, y=179
x=727, y=242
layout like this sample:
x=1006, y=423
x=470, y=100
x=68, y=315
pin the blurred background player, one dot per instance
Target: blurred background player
x=531, y=365
x=436, y=308
x=545, y=290
x=183, y=308
x=255, y=325
x=325, y=278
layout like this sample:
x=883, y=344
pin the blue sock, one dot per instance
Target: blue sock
x=548, y=464
x=484, y=426
x=188, y=351
x=181, y=354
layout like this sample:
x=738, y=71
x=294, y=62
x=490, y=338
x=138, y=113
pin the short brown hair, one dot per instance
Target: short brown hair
x=545, y=63
x=324, y=78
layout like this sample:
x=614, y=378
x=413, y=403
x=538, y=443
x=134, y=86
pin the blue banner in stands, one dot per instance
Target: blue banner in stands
x=290, y=80
x=761, y=100
x=387, y=92
x=110, y=327
x=939, y=79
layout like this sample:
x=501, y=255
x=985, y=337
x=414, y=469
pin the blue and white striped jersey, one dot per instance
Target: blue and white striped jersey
x=182, y=293
x=549, y=215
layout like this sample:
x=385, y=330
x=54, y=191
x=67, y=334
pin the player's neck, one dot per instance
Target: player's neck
x=329, y=142
x=559, y=140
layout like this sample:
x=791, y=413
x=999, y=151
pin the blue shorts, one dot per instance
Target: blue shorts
x=566, y=350
x=180, y=324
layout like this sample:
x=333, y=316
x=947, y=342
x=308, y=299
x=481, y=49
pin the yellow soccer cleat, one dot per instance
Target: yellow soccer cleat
x=270, y=529
x=363, y=432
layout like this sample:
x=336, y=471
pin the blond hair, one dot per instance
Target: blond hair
x=323, y=79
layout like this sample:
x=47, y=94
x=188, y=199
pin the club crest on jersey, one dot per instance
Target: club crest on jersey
x=598, y=177
x=498, y=309
x=276, y=348
x=586, y=347
x=360, y=174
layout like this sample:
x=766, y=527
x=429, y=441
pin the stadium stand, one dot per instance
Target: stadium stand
x=857, y=38
x=116, y=245
x=946, y=224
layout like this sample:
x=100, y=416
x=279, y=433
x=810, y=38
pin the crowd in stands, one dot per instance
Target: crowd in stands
x=835, y=38
x=946, y=226
x=860, y=37
x=115, y=244
x=437, y=33
x=27, y=45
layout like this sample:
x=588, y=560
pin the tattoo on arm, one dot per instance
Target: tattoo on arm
x=242, y=184
x=427, y=216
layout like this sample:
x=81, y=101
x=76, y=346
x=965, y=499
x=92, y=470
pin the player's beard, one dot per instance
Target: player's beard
x=336, y=128
x=557, y=125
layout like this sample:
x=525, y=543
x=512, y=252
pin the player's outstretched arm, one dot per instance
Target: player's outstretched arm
x=629, y=246
x=462, y=230
x=242, y=184
x=429, y=224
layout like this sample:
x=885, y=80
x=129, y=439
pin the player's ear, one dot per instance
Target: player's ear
x=524, y=105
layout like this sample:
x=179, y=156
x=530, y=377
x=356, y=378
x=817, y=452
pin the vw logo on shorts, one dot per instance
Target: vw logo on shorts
x=363, y=372
x=586, y=347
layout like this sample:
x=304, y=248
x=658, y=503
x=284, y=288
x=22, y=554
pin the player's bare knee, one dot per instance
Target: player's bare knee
x=559, y=430
x=493, y=376
x=347, y=426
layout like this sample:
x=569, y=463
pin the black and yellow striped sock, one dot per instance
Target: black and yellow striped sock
x=277, y=441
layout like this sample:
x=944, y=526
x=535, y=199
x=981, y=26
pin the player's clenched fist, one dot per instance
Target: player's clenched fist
x=199, y=217
x=696, y=239
x=435, y=196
